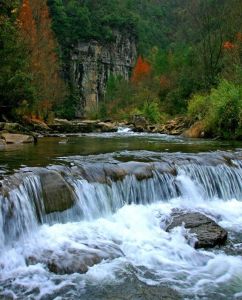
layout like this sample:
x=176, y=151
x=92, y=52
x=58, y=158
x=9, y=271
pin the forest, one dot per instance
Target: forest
x=189, y=60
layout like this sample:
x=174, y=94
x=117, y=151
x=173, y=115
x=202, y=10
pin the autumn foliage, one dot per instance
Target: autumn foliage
x=35, y=26
x=141, y=70
x=27, y=25
x=228, y=45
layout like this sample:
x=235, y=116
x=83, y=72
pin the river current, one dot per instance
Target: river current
x=112, y=243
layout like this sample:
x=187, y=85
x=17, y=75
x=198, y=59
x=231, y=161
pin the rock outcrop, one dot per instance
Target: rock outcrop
x=173, y=127
x=208, y=233
x=84, y=126
x=92, y=63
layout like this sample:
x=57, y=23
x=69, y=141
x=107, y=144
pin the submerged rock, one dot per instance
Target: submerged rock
x=208, y=233
x=130, y=288
x=57, y=193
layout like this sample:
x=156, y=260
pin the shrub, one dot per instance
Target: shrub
x=198, y=107
x=221, y=110
x=151, y=112
x=223, y=116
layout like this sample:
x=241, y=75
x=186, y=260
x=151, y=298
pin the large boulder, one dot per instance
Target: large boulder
x=57, y=194
x=69, y=260
x=140, y=123
x=12, y=138
x=208, y=233
x=107, y=127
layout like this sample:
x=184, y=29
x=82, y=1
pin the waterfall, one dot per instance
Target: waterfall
x=88, y=223
x=22, y=204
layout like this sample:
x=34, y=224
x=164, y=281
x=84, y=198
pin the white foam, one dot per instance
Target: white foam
x=124, y=130
x=136, y=230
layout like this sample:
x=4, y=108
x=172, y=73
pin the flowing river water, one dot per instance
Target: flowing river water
x=109, y=241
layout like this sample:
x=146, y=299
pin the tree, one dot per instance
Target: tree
x=141, y=70
x=15, y=82
x=42, y=48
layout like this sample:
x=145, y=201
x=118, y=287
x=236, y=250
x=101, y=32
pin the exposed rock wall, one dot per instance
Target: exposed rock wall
x=91, y=64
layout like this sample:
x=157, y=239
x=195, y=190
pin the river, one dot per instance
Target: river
x=109, y=241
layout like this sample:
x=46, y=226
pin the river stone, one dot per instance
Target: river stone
x=57, y=194
x=11, y=138
x=209, y=234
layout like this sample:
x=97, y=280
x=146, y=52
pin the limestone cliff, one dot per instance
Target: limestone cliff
x=91, y=64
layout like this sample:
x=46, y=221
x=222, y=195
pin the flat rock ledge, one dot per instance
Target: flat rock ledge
x=14, y=138
x=208, y=233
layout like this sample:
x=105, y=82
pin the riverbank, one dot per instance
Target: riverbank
x=30, y=131
x=16, y=133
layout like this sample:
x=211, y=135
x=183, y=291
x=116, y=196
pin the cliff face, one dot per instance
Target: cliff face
x=91, y=64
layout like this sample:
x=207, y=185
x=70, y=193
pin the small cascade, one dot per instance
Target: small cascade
x=222, y=181
x=124, y=130
x=100, y=189
x=18, y=212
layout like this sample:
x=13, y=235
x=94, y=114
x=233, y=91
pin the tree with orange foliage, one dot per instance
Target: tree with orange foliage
x=51, y=84
x=27, y=25
x=141, y=70
x=228, y=45
x=40, y=42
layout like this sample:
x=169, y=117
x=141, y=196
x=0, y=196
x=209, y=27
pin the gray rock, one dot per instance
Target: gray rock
x=209, y=234
x=57, y=193
x=69, y=260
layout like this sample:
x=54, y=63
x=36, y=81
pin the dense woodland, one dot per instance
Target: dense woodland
x=189, y=62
